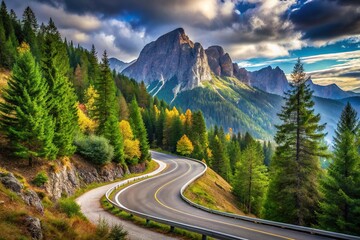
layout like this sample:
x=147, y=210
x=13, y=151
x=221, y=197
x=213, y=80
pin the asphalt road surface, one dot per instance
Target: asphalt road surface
x=160, y=197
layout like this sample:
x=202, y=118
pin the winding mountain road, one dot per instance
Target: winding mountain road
x=160, y=197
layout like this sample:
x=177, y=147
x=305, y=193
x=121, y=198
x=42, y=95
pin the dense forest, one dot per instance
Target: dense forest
x=60, y=100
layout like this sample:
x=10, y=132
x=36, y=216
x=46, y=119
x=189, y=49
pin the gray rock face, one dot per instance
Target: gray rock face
x=242, y=74
x=171, y=55
x=75, y=175
x=62, y=182
x=33, y=225
x=269, y=80
x=32, y=199
x=9, y=181
x=29, y=196
x=219, y=61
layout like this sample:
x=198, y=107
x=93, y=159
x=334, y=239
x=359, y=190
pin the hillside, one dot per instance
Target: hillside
x=212, y=191
x=24, y=216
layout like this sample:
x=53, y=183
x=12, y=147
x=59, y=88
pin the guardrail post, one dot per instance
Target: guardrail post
x=204, y=237
x=147, y=221
x=172, y=228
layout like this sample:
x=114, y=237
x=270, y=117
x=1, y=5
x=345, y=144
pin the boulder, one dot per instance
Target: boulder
x=32, y=199
x=33, y=225
x=9, y=181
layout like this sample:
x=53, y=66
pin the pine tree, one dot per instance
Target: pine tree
x=250, y=180
x=199, y=135
x=293, y=194
x=340, y=208
x=93, y=66
x=138, y=127
x=220, y=162
x=29, y=29
x=234, y=154
x=24, y=113
x=55, y=69
x=105, y=110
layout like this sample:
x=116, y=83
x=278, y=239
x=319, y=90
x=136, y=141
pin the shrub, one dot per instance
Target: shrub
x=117, y=233
x=40, y=179
x=69, y=206
x=95, y=149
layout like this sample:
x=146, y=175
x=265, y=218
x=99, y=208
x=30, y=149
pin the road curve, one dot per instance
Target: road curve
x=160, y=197
x=92, y=209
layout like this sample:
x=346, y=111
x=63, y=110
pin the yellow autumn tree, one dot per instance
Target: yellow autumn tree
x=90, y=95
x=86, y=124
x=184, y=146
x=131, y=146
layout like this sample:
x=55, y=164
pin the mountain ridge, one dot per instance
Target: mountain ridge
x=186, y=75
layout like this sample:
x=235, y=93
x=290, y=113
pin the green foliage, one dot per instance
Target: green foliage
x=220, y=162
x=24, y=113
x=105, y=110
x=250, y=181
x=95, y=149
x=295, y=168
x=40, y=179
x=339, y=209
x=139, y=130
x=115, y=232
x=69, y=206
x=55, y=68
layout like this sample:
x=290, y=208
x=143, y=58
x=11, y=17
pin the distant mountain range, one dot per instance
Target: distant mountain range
x=118, y=65
x=186, y=75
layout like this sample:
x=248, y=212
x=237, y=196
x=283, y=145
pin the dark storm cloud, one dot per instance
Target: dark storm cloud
x=351, y=74
x=152, y=12
x=327, y=19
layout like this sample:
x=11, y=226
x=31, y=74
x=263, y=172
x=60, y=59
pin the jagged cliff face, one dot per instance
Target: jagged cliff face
x=172, y=55
x=219, y=61
x=271, y=80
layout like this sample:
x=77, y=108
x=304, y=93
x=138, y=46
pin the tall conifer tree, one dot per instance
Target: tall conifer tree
x=55, y=68
x=251, y=180
x=340, y=208
x=293, y=194
x=105, y=109
x=24, y=113
x=138, y=127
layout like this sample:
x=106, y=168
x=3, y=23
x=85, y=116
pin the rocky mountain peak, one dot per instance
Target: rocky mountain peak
x=172, y=56
x=219, y=61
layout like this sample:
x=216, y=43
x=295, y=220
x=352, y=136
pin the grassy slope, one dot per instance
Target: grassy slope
x=55, y=225
x=214, y=192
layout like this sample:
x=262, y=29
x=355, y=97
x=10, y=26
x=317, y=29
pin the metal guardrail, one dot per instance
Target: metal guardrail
x=261, y=221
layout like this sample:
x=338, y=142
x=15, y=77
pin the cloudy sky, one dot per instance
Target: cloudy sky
x=256, y=33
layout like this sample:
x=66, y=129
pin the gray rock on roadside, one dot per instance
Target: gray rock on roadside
x=33, y=225
x=32, y=199
x=9, y=181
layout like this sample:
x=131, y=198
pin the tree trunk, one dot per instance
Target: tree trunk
x=30, y=161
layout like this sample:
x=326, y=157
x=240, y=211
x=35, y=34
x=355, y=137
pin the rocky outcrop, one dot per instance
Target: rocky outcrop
x=33, y=225
x=219, y=61
x=271, y=80
x=29, y=196
x=241, y=73
x=10, y=182
x=32, y=199
x=66, y=179
x=172, y=55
